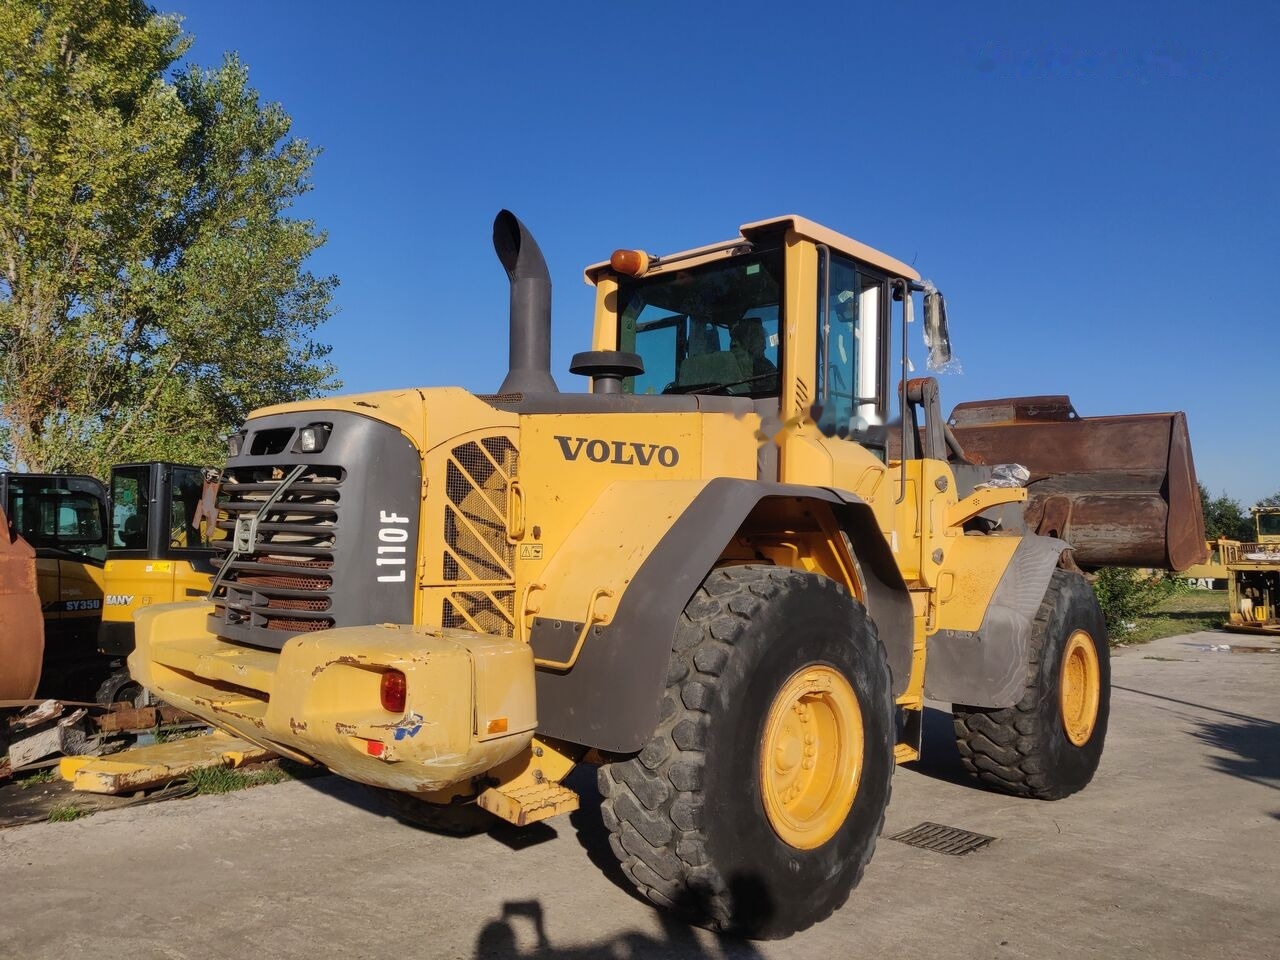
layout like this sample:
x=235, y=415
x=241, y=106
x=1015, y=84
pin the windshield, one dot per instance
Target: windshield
x=49, y=516
x=707, y=329
x=1268, y=524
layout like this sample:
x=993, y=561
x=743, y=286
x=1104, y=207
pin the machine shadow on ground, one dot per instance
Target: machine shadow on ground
x=1249, y=746
x=521, y=933
x=939, y=758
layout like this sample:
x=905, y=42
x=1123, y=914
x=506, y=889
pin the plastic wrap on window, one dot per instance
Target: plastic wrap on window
x=1007, y=475
x=938, y=342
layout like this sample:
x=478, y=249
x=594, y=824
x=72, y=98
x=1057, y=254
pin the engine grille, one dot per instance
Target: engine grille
x=286, y=584
x=476, y=551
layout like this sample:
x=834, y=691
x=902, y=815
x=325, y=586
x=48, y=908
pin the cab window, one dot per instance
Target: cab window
x=852, y=320
x=51, y=517
x=129, y=507
x=185, y=486
x=713, y=328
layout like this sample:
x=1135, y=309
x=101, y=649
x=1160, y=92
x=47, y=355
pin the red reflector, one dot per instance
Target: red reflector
x=374, y=747
x=393, y=691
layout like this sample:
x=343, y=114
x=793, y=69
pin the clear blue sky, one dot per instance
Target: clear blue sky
x=1095, y=186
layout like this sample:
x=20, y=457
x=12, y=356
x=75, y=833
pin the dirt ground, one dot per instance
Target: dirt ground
x=1172, y=852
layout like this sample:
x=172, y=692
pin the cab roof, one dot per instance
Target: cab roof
x=808, y=229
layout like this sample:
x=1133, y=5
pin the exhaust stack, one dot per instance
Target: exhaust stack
x=530, y=367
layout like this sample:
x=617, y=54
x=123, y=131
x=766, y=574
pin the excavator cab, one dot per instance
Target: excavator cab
x=163, y=518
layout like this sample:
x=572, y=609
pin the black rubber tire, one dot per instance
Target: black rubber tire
x=1024, y=749
x=454, y=819
x=119, y=687
x=686, y=817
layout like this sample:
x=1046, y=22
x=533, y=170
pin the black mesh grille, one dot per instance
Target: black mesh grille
x=285, y=584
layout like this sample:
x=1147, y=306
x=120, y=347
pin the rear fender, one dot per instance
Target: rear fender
x=611, y=698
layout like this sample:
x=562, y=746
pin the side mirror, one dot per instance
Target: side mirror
x=936, y=335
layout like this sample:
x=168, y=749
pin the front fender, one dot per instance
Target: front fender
x=612, y=697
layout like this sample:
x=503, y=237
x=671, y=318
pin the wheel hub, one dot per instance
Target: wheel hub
x=811, y=756
x=1080, y=690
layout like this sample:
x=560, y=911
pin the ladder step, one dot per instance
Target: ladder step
x=525, y=805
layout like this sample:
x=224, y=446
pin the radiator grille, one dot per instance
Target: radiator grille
x=477, y=555
x=286, y=584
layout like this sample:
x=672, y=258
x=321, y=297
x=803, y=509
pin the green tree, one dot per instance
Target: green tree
x=1224, y=517
x=1271, y=501
x=153, y=286
x=1125, y=595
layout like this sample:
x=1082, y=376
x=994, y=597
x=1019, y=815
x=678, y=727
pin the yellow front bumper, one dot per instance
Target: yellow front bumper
x=469, y=706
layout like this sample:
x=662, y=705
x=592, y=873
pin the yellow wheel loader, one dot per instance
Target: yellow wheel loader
x=729, y=575
x=1253, y=576
x=162, y=523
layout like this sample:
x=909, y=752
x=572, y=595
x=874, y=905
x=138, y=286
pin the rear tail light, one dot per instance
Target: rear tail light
x=393, y=691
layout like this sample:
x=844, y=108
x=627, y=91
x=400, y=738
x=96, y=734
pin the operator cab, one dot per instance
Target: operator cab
x=789, y=310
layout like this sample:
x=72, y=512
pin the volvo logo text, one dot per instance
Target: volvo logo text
x=618, y=451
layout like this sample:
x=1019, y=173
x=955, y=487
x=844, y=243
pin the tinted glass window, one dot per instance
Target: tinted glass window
x=713, y=328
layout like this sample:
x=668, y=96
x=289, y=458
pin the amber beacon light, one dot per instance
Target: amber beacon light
x=633, y=263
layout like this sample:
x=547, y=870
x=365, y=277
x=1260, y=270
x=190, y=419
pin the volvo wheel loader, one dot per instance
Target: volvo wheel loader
x=729, y=575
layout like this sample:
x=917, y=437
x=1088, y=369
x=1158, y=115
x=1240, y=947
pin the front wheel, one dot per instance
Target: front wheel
x=1048, y=745
x=757, y=802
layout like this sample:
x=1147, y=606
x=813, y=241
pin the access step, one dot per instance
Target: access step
x=525, y=805
x=152, y=765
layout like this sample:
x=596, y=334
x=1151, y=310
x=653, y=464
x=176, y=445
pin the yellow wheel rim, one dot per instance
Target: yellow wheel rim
x=1081, y=688
x=811, y=756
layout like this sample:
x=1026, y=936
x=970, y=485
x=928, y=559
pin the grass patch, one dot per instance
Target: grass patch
x=164, y=734
x=228, y=780
x=66, y=812
x=47, y=775
x=1186, y=612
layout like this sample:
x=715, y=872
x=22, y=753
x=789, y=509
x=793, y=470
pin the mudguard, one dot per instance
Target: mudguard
x=988, y=668
x=612, y=697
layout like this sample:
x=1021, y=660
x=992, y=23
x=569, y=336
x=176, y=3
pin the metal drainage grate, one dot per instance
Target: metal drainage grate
x=942, y=839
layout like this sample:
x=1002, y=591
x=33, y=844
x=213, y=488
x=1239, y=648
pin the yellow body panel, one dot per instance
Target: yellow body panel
x=135, y=583
x=69, y=590
x=469, y=706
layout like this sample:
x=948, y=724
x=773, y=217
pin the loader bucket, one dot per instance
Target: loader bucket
x=1121, y=490
x=21, y=622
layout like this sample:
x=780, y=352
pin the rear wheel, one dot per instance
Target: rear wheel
x=1049, y=744
x=757, y=802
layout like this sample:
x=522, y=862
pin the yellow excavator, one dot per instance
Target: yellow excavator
x=163, y=517
x=63, y=517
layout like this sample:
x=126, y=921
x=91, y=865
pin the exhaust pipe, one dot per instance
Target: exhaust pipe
x=530, y=367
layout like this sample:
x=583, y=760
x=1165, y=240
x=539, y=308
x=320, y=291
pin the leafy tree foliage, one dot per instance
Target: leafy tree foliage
x=1224, y=517
x=153, y=286
x=1125, y=594
x=1271, y=501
